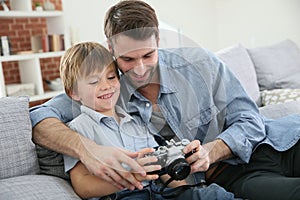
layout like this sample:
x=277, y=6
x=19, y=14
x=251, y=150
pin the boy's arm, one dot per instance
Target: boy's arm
x=55, y=135
x=87, y=185
x=174, y=183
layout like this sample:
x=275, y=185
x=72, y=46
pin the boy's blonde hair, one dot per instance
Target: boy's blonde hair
x=81, y=60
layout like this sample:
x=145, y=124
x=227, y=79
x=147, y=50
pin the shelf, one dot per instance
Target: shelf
x=46, y=95
x=30, y=14
x=31, y=56
x=29, y=63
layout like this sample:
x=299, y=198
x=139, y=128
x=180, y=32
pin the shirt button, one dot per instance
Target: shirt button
x=147, y=104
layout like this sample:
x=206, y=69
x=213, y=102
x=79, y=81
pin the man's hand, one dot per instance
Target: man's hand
x=205, y=155
x=106, y=163
x=199, y=160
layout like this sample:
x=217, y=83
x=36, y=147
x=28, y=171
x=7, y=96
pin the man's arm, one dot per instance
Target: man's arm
x=106, y=163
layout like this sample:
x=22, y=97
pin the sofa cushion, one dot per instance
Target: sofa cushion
x=277, y=96
x=275, y=62
x=276, y=111
x=17, y=151
x=35, y=187
x=238, y=60
x=290, y=81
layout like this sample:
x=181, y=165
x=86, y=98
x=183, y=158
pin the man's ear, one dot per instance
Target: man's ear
x=110, y=47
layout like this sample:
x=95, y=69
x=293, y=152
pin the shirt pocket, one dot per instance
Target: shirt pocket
x=202, y=117
x=138, y=143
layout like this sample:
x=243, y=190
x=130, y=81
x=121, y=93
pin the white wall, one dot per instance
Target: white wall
x=257, y=22
x=213, y=24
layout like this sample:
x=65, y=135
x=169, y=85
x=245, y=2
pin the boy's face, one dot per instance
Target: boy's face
x=137, y=59
x=100, y=90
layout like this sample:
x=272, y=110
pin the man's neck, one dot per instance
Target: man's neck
x=150, y=92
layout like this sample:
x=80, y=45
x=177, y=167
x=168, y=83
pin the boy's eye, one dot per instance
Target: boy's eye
x=93, y=82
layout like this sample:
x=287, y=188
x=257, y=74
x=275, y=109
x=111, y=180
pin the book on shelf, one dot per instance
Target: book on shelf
x=5, y=46
x=47, y=43
x=56, y=42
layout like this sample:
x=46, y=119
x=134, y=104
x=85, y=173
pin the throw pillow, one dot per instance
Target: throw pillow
x=17, y=152
x=275, y=62
x=277, y=96
x=291, y=81
x=239, y=62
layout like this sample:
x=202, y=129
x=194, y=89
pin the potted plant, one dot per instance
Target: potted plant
x=38, y=6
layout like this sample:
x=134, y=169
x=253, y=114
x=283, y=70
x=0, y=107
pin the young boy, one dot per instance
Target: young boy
x=90, y=76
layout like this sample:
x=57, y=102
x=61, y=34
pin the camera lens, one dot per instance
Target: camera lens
x=179, y=169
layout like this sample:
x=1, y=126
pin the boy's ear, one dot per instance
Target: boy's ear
x=74, y=95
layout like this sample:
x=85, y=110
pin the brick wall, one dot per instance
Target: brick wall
x=19, y=31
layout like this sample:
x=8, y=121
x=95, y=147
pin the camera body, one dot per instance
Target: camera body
x=172, y=159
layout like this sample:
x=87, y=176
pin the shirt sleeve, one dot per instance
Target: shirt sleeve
x=60, y=107
x=69, y=163
x=244, y=127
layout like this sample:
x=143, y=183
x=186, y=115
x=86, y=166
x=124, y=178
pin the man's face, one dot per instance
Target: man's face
x=137, y=59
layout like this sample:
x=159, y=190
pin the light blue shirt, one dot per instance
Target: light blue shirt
x=131, y=133
x=200, y=99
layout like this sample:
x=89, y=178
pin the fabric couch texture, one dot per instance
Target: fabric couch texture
x=267, y=73
x=238, y=60
x=19, y=167
x=20, y=176
x=17, y=152
x=276, y=64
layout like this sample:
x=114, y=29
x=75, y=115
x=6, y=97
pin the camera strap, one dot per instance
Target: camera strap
x=174, y=192
x=160, y=140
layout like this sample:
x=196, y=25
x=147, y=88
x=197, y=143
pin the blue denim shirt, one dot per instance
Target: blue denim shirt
x=200, y=99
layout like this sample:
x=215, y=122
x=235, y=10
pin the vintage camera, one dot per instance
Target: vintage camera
x=172, y=160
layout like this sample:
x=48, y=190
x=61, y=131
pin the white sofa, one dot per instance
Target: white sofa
x=20, y=176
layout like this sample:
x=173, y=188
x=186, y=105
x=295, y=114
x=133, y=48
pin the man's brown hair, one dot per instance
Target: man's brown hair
x=133, y=18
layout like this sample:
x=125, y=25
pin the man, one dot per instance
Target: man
x=182, y=93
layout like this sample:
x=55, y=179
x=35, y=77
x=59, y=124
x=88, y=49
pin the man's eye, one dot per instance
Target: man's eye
x=127, y=59
x=111, y=77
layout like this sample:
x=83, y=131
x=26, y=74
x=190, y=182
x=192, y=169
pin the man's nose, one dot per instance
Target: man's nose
x=140, y=68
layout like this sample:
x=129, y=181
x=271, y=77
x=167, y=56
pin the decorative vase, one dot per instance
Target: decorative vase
x=48, y=5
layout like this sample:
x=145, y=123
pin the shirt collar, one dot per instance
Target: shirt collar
x=97, y=116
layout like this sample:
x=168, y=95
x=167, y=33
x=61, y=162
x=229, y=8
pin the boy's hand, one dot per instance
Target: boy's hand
x=143, y=161
x=106, y=162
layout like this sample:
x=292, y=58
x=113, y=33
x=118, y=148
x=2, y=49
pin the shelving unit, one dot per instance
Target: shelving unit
x=29, y=64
